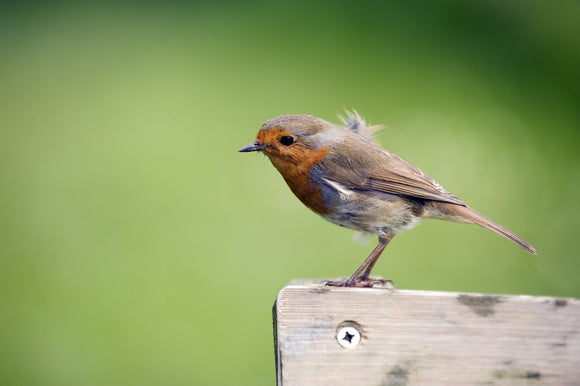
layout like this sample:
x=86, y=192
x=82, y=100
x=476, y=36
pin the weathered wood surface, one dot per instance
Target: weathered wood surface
x=424, y=337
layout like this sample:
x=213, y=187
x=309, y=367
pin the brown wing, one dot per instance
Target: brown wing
x=373, y=169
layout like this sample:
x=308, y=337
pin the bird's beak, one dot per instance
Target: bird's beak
x=254, y=146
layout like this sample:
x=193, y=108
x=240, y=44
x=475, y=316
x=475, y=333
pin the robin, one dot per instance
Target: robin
x=341, y=174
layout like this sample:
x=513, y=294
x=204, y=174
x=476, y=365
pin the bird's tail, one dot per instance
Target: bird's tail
x=470, y=215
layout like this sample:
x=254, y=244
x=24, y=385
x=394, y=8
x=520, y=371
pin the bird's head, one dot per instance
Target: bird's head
x=295, y=141
x=289, y=136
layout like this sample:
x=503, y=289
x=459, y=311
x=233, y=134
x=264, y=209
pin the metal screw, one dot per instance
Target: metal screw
x=348, y=337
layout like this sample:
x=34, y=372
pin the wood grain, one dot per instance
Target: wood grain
x=424, y=337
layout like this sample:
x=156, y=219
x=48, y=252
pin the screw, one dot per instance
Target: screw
x=348, y=336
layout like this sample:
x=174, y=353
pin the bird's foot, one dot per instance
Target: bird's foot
x=369, y=282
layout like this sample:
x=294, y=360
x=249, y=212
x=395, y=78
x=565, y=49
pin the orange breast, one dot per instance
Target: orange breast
x=296, y=173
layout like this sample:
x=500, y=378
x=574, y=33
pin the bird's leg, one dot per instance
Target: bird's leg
x=360, y=278
x=383, y=241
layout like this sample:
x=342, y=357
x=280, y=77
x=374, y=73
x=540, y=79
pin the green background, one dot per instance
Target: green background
x=139, y=248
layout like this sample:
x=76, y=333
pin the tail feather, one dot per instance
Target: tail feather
x=476, y=218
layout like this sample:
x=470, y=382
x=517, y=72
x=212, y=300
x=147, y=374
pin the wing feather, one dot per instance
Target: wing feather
x=378, y=170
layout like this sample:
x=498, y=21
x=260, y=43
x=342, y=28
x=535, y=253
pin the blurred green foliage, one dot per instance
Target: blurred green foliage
x=139, y=248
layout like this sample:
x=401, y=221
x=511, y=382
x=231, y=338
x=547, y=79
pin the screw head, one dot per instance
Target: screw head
x=348, y=336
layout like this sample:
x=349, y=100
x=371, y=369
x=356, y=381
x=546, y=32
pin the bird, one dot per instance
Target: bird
x=343, y=175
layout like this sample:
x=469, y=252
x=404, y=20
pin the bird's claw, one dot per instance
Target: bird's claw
x=363, y=283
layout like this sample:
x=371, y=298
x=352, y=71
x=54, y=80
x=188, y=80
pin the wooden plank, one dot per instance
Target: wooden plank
x=423, y=337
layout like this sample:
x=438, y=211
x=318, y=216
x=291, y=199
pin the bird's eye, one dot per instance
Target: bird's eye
x=287, y=140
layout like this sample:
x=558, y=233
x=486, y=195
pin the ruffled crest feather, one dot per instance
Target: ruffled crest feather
x=353, y=121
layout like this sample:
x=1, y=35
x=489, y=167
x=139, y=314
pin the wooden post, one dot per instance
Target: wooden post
x=378, y=336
